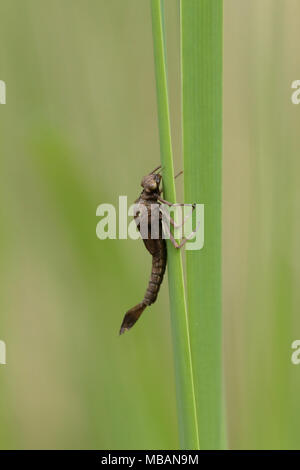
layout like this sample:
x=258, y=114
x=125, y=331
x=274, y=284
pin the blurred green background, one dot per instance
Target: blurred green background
x=79, y=129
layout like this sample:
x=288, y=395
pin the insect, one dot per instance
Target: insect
x=149, y=199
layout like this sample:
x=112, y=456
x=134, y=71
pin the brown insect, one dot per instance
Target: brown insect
x=150, y=199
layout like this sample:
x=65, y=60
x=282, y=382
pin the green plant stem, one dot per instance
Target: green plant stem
x=187, y=415
x=201, y=51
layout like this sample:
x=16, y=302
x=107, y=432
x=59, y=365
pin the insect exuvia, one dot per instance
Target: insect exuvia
x=149, y=197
